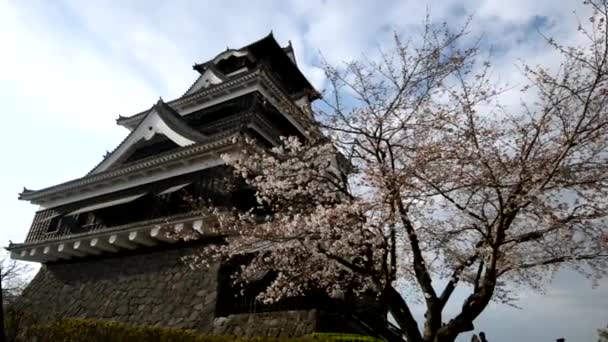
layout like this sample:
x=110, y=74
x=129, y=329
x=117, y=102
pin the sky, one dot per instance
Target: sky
x=69, y=68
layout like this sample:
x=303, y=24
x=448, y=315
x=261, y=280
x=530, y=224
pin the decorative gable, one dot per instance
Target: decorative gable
x=208, y=78
x=160, y=120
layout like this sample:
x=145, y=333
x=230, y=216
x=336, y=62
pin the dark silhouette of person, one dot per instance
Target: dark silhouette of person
x=474, y=338
x=482, y=337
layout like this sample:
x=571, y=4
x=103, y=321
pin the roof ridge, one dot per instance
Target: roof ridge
x=224, y=138
x=209, y=66
x=211, y=88
x=270, y=35
x=171, y=118
x=177, y=123
x=108, y=154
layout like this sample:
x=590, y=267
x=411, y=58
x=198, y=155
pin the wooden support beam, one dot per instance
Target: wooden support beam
x=103, y=244
x=158, y=234
x=16, y=255
x=198, y=226
x=51, y=251
x=23, y=255
x=187, y=226
x=36, y=254
x=68, y=248
x=142, y=238
x=40, y=255
x=85, y=247
x=121, y=241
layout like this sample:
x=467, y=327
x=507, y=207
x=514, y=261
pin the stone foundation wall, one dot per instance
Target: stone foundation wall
x=274, y=324
x=149, y=289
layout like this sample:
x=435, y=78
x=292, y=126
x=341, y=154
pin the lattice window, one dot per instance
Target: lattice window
x=54, y=224
x=235, y=298
x=40, y=225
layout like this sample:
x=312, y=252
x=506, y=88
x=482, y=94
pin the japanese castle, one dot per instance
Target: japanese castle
x=99, y=237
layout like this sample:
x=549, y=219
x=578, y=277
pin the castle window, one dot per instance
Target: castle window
x=236, y=298
x=238, y=71
x=54, y=224
x=233, y=65
x=244, y=199
x=86, y=219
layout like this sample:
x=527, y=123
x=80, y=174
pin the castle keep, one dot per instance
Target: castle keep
x=99, y=237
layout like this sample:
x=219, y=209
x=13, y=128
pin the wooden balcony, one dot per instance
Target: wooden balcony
x=113, y=240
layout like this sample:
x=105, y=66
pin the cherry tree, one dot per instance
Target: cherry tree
x=13, y=279
x=422, y=181
x=603, y=334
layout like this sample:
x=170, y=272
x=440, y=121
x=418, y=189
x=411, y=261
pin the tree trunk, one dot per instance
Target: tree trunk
x=450, y=334
x=402, y=314
x=2, y=331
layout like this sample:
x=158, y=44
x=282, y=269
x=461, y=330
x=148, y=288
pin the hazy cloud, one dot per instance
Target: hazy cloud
x=68, y=68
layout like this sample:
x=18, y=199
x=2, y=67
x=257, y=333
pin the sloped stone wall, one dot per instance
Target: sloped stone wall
x=155, y=288
x=274, y=324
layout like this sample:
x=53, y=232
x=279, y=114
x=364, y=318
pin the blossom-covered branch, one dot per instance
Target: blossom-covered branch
x=425, y=176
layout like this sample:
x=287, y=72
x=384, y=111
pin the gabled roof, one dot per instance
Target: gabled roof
x=207, y=78
x=213, y=91
x=160, y=119
x=124, y=174
x=175, y=122
x=290, y=53
x=265, y=48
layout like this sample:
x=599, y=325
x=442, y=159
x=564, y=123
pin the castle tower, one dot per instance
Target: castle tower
x=98, y=237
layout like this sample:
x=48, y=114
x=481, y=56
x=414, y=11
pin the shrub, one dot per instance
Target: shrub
x=80, y=330
x=16, y=321
x=343, y=337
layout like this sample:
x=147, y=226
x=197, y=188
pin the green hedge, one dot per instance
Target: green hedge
x=343, y=337
x=79, y=330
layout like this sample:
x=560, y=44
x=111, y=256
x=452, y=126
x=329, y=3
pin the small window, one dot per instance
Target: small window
x=242, y=298
x=86, y=219
x=54, y=224
x=244, y=199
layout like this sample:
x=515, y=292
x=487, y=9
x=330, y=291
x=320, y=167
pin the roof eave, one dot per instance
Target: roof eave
x=131, y=121
x=314, y=94
x=111, y=240
x=37, y=196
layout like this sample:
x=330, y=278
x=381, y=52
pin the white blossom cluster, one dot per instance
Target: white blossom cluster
x=440, y=182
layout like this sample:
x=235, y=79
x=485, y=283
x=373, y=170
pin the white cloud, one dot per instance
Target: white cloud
x=68, y=68
x=70, y=82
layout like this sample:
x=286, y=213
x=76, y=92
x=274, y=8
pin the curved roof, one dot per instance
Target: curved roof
x=282, y=58
x=161, y=118
x=177, y=123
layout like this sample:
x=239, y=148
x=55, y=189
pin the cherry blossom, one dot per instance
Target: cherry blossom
x=418, y=174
